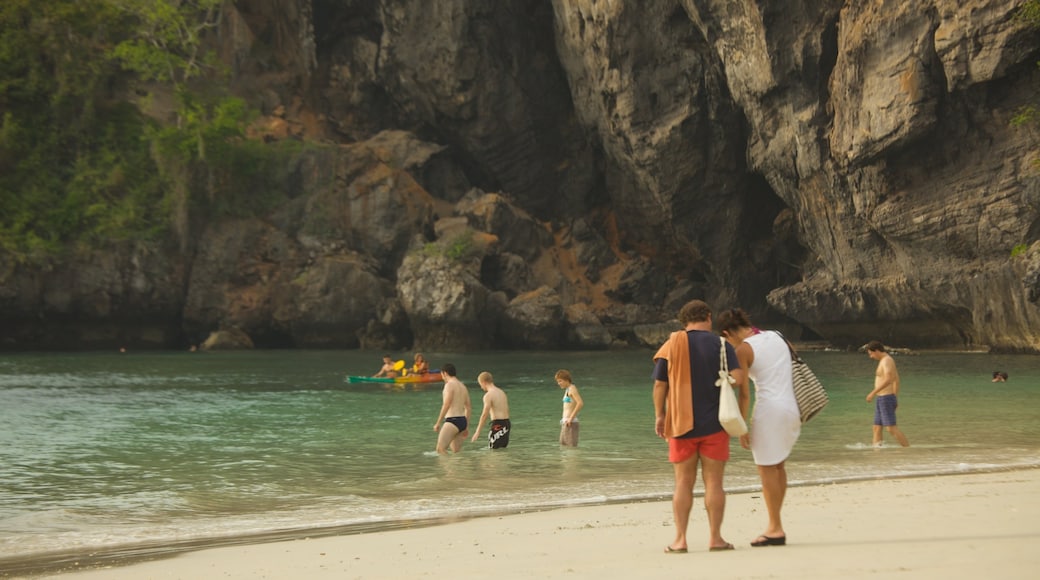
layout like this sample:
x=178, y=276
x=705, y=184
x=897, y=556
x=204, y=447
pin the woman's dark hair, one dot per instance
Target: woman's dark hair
x=732, y=319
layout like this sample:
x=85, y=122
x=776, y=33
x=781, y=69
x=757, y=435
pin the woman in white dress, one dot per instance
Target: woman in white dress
x=775, y=421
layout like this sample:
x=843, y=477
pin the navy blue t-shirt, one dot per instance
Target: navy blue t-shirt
x=705, y=365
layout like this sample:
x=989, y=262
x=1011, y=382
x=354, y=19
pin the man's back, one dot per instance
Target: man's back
x=705, y=362
x=498, y=402
x=459, y=396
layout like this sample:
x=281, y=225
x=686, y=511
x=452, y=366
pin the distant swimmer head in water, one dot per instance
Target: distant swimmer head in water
x=999, y=377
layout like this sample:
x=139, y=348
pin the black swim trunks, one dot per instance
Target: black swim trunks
x=459, y=422
x=498, y=437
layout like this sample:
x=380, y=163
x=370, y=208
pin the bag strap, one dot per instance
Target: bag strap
x=794, y=353
x=723, y=359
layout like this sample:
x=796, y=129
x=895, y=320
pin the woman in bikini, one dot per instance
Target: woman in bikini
x=572, y=403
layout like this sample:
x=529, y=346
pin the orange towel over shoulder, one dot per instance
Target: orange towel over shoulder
x=678, y=414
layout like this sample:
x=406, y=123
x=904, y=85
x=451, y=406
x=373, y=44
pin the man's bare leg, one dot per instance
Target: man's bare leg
x=445, y=436
x=682, y=499
x=774, y=488
x=714, y=498
x=877, y=435
x=898, y=434
x=456, y=443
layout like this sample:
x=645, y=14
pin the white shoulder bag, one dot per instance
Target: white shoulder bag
x=729, y=409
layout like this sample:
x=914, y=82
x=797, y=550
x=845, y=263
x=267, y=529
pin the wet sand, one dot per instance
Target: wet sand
x=953, y=526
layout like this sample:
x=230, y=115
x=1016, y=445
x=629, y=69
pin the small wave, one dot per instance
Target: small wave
x=886, y=445
x=88, y=380
x=859, y=446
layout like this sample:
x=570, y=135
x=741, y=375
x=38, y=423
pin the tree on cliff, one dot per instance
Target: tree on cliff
x=1029, y=13
x=80, y=162
x=167, y=48
x=71, y=162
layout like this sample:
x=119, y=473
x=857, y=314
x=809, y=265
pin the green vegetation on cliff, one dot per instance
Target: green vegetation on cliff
x=456, y=248
x=81, y=164
x=73, y=164
x=1029, y=13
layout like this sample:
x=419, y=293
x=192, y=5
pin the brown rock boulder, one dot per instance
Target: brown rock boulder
x=584, y=330
x=447, y=305
x=534, y=320
x=331, y=301
x=229, y=339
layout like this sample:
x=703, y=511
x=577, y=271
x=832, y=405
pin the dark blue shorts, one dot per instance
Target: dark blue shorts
x=885, y=410
x=460, y=423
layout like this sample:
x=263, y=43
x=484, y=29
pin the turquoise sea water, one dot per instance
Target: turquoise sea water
x=123, y=453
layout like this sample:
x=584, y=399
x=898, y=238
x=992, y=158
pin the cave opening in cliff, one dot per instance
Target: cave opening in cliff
x=1033, y=235
x=271, y=338
x=334, y=20
x=771, y=235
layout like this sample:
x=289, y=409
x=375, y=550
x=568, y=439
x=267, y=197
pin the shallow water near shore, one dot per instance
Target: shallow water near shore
x=112, y=453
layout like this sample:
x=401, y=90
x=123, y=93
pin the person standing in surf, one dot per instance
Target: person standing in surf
x=453, y=420
x=572, y=403
x=886, y=387
x=496, y=406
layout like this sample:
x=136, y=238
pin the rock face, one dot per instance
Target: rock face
x=233, y=339
x=565, y=174
x=445, y=301
x=126, y=295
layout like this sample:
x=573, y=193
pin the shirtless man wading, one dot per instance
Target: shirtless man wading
x=453, y=421
x=886, y=387
x=496, y=405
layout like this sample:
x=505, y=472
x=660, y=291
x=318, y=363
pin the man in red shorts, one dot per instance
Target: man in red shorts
x=686, y=409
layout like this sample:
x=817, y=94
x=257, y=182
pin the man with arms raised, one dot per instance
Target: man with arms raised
x=455, y=410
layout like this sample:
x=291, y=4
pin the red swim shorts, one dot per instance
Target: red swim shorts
x=714, y=446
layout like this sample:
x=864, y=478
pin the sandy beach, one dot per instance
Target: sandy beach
x=953, y=526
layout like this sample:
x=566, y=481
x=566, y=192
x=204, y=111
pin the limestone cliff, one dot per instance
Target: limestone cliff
x=566, y=173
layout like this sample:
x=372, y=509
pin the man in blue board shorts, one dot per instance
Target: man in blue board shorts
x=886, y=388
